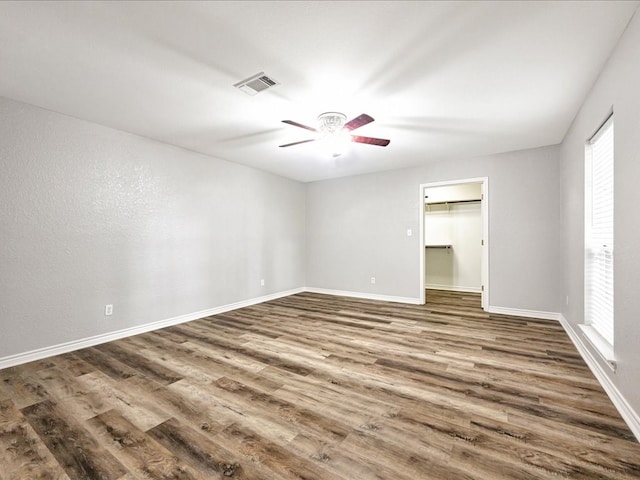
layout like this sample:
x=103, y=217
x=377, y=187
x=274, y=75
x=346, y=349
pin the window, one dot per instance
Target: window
x=599, y=239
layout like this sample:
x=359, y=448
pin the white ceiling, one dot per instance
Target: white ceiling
x=442, y=79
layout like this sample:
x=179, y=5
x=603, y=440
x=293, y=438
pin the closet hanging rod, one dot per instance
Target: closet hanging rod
x=452, y=201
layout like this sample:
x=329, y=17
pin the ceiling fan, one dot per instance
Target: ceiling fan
x=332, y=125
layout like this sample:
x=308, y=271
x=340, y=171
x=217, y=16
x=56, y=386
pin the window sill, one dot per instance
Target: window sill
x=604, y=348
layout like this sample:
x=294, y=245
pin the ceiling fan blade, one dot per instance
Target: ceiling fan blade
x=358, y=122
x=382, y=142
x=296, y=124
x=298, y=143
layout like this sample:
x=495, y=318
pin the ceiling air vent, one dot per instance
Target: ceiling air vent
x=256, y=83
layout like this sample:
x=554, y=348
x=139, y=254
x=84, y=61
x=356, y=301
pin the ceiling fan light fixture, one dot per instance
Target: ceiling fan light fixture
x=335, y=144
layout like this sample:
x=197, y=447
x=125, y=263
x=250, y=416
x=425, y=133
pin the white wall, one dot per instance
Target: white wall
x=91, y=216
x=617, y=88
x=460, y=226
x=356, y=228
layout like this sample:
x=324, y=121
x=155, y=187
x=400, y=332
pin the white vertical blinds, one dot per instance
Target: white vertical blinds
x=599, y=232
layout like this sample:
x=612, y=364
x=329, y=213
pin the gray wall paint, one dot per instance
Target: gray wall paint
x=356, y=228
x=91, y=216
x=616, y=88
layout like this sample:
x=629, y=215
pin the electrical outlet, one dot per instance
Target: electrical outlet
x=108, y=310
x=262, y=282
x=409, y=232
x=373, y=280
x=567, y=300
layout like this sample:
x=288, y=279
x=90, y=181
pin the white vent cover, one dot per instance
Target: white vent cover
x=256, y=83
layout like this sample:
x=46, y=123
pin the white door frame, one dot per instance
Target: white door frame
x=484, y=209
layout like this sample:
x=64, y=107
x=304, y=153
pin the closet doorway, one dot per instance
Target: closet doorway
x=454, y=241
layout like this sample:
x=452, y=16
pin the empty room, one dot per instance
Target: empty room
x=342, y=240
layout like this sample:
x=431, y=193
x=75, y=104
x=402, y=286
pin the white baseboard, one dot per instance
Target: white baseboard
x=41, y=353
x=517, y=312
x=453, y=288
x=368, y=296
x=629, y=415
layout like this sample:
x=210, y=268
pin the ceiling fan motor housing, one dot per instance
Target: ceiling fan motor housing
x=331, y=122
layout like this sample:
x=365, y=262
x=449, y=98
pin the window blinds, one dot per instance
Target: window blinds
x=599, y=232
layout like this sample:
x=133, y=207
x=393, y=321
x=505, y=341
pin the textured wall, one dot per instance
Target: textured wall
x=357, y=229
x=92, y=216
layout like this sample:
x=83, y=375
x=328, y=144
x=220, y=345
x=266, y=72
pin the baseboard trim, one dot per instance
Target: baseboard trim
x=628, y=414
x=517, y=312
x=453, y=288
x=39, y=354
x=367, y=296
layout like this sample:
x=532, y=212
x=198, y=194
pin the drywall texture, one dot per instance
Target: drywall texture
x=91, y=216
x=617, y=90
x=356, y=229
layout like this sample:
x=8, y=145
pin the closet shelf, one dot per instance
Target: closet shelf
x=438, y=246
x=451, y=202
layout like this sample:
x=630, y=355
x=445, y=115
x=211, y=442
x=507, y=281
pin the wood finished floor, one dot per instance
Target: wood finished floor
x=318, y=387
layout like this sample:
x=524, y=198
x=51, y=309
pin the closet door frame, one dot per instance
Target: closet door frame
x=484, y=209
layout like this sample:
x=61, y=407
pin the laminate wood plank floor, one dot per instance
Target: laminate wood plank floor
x=314, y=386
